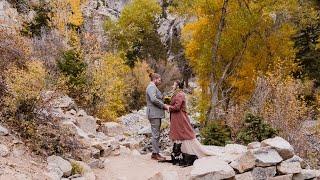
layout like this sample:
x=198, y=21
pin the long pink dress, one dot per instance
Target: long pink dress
x=181, y=130
x=180, y=127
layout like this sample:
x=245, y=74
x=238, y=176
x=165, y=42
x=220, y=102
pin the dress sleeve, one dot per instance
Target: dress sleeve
x=177, y=103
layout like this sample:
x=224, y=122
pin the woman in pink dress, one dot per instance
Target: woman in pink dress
x=181, y=130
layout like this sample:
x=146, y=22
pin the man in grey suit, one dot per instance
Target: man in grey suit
x=155, y=112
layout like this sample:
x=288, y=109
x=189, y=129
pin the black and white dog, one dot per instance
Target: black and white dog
x=180, y=158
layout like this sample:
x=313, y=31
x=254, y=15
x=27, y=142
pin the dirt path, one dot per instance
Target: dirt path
x=136, y=167
x=20, y=164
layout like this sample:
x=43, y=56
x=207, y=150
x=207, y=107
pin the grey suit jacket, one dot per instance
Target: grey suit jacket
x=154, y=102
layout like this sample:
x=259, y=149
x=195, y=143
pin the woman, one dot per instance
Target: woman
x=181, y=130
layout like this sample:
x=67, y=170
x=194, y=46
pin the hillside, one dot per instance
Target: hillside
x=241, y=77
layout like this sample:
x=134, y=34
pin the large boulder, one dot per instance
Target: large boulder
x=57, y=163
x=235, y=149
x=283, y=147
x=4, y=151
x=307, y=174
x=132, y=144
x=63, y=102
x=254, y=145
x=3, y=131
x=167, y=175
x=211, y=168
x=290, y=166
x=266, y=156
x=87, y=124
x=244, y=176
x=284, y=177
x=111, y=128
x=260, y=173
x=244, y=163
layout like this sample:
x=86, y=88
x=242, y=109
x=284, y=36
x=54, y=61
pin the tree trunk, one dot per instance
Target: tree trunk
x=214, y=86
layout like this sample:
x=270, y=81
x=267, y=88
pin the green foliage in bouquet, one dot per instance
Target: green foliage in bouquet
x=255, y=129
x=167, y=99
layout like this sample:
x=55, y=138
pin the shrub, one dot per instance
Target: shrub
x=43, y=137
x=108, y=87
x=285, y=107
x=14, y=49
x=215, y=133
x=76, y=168
x=139, y=81
x=255, y=129
x=40, y=22
x=72, y=65
x=24, y=84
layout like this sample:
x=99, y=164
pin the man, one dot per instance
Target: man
x=155, y=112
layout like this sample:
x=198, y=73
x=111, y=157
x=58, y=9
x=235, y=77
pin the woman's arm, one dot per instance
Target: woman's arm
x=177, y=103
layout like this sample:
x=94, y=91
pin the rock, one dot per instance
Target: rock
x=4, y=151
x=283, y=147
x=96, y=163
x=167, y=175
x=145, y=131
x=62, y=164
x=244, y=163
x=111, y=128
x=295, y=158
x=307, y=174
x=18, y=150
x=63, y=102
x=104, y=147
x=84, y=155
x=266, y=157
x=116, y=152
x=284, y=177
x=95, y=153
x=82, y=113
x=132, y=144
x=254, y=145
x=228, y=158
x=260, y=173
x=211, y=168
x=3, y=131
x=55, y=173
x=87, y=124
x=244, y=176
x=286, y=167
x=235, y=149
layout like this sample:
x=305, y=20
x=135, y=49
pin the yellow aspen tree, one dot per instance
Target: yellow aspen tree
x=229, y=43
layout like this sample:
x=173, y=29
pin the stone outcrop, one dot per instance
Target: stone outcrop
x=59, y=166
x=111, y=128
x=3, y=131
x=211, y=168
x=268, y=160
x=83, y=126
x=282, y=146
x=266, y=156
x=4, y=150
x=244, y=163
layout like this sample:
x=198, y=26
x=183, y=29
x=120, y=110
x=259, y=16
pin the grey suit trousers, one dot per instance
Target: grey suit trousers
x=155, y=130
